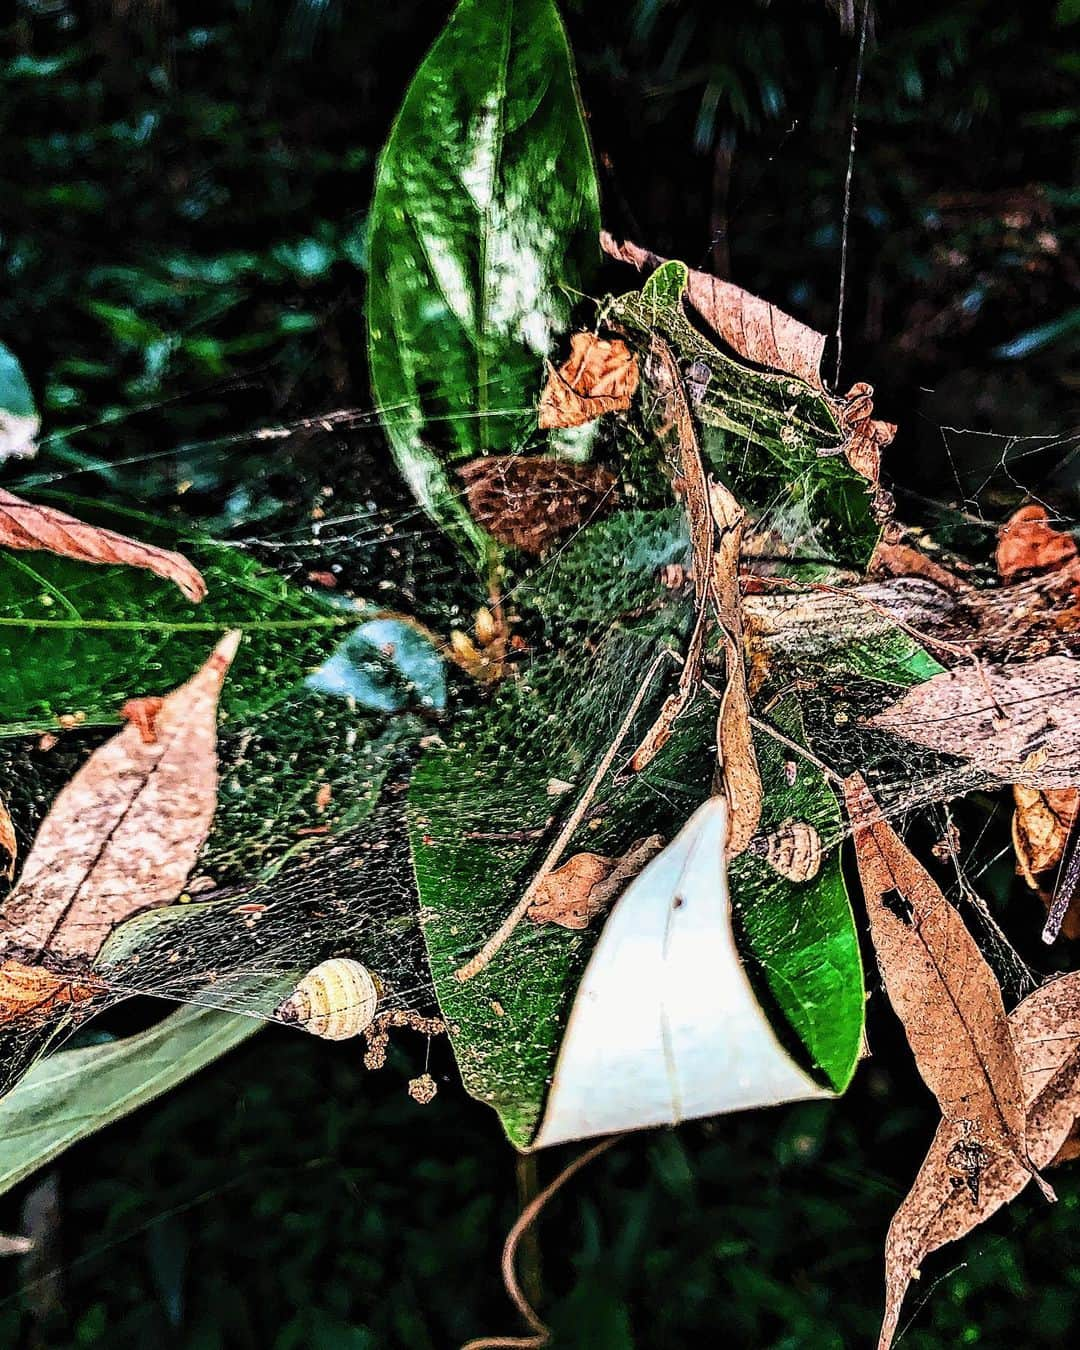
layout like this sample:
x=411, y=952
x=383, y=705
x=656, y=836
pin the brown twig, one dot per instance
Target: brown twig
x=1067, y=888
x=492, y=946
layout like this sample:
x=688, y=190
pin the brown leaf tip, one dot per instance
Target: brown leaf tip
x=1028, y=543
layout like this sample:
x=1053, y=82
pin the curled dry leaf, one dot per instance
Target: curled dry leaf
x=946, y=1202
x=529, y=501
x=1027, y=542
x=123, y=835
x=27, y=525
x=34, y=991
x=142, y=713
x=599, y=376
x=752, y=327
x=864, y=440
x=1042, y=823
x=583, y=887
x=1018, y=724
x=939, y=985
x=8, y=842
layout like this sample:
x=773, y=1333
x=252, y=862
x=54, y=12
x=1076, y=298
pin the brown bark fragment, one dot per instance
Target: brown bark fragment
x=529, y=501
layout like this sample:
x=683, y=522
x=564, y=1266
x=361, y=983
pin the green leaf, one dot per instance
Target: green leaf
x=78, y=639
x=485, y=218
x=74, y=1093
x=480, y=819
x=802, y=934
x=769, y=436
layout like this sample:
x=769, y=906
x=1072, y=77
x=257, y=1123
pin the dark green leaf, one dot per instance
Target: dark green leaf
x=485, y=217
x=79, y=639
x=802, y=934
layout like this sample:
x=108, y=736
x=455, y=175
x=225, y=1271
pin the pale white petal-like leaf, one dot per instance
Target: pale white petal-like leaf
x=665, y=1026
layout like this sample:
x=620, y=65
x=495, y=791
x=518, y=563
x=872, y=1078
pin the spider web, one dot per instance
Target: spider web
x=271, y=897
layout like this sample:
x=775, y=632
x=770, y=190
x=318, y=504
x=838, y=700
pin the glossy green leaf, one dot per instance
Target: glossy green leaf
x=78, y=639
x=803, y=934
x=484, y=222
x=76, y=1092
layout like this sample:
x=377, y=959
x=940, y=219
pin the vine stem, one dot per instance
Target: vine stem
x=492, y=946
x=541, y=1333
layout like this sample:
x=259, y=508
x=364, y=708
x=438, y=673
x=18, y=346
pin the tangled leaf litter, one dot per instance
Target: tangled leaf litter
x=503, y=746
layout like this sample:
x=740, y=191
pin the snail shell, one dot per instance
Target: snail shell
x=793, y=849
x=335, y=1000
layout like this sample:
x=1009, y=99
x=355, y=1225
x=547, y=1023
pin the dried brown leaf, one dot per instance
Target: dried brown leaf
x=599, y=376
x=33, y=992
x=583, y=887
x=865, y=438
x=893, y=558
x=123, y=835
x=529, y=501
x=8, y=842
x=1027, y=542
x=484, y=660
x=948, y=1199
x=27, y=525
x=1042, y=823
x=1020, y=723
x=758, y=331
x=939, y=985
x=737, y=758
x=674, y=424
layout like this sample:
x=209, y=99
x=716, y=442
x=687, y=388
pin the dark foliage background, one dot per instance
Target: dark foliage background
x=183, y=192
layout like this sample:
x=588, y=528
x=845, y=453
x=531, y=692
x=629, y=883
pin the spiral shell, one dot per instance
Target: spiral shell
x=335, y=1000
x=793, y=849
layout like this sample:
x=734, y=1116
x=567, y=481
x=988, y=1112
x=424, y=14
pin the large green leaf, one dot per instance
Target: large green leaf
x=802, y=934
x=77, y=639
x=481, y=817
x=74, y=1093
x=485, y=218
